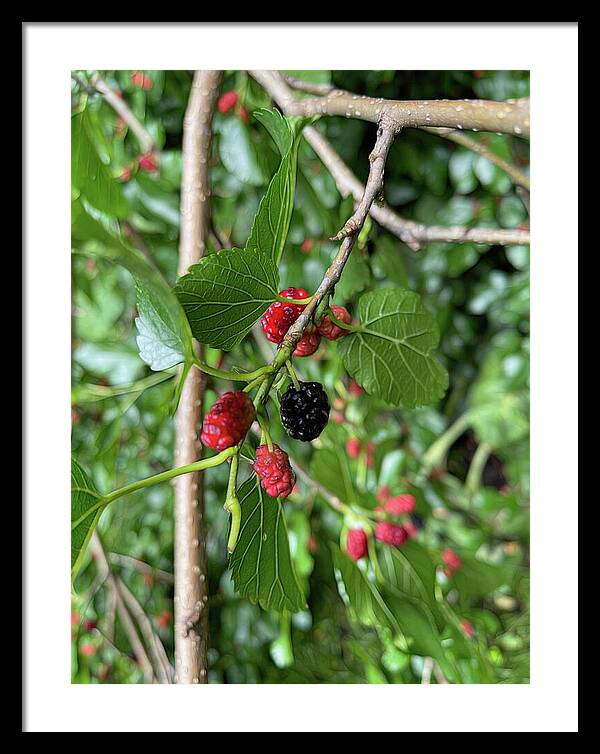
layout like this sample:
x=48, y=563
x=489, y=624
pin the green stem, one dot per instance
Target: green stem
x=480, y=457
x=437, y=452
x=301, y=301
x=264, y=426
x=164, y=476
x=232, y=504
x=235, y=376
x=293, y=375
x=343, y=325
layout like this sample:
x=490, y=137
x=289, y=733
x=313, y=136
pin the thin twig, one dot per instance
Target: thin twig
x=191, y=579
x=164, y=671
x=124, y=111
x=127, y=623
x=518, y=176
x=139, y=565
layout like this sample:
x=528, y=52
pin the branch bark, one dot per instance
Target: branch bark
x=518, y=176
x=191, y=580
x=413, y=234
x=122, y=108
x=127, y=623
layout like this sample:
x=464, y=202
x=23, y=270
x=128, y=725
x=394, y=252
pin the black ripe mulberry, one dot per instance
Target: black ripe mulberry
x=304, y=412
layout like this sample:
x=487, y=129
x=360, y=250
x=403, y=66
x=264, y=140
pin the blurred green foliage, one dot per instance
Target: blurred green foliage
x=479, y=296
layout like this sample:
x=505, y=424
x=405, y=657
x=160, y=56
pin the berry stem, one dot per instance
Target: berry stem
x=232, y=504
x=293, y=375
x=264, y=426
x=301, y=301
x=343, y=325
x=235, y=376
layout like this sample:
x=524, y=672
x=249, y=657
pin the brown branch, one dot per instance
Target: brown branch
x=191, y=579
x=128, y=562
x=152, y=641
x=509, y=117
x=385, y=137
x=126, y=620
x=124, y=111
x=518, y=176
x=411, y=233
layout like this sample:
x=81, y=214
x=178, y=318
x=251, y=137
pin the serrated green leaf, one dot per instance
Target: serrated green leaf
x=89, y=175
x=261, y=564
x=84, y=498
x=164, y=335
x=272, y=221
x=392, y=354
x=225, y=293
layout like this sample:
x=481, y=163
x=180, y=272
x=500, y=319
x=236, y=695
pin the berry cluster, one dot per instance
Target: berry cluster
x=354, y=448
x=280, y=316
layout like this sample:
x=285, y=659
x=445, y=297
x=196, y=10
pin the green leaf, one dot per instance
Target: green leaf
x=261, y=564
x=478, y=579
x=360, y=595
x=164, y=335
x=225, y=293
x=89, y=175
x=411, y=573
x=84, y=498
x=238, y=152
x=392, y=354
x=272, y=221
x=333, y=471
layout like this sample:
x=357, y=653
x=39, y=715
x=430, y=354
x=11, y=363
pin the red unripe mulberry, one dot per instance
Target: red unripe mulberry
x=354, y=388
x=467, y=628
x=353, y=447
x=148, y=163
x=451, y=560
x=227, y=101
x=391, y=534
x=384, y=493
x=328, y=329
x=308, y=343
x=356, y=544
x=274, y=471
x=279, y=317
x=399, y=505
x=307, y=245
x=228, y=420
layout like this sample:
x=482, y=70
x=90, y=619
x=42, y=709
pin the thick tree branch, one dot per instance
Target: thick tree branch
x=509, y=117
x=122, y=108
x=191, y=580
x=413, y=234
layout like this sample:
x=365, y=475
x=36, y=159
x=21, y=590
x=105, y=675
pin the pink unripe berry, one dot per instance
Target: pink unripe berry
x=399, y=505
x=451, y=560
x=467, y=628
x=353, y=447
x=227, y=101
x=356, y=544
